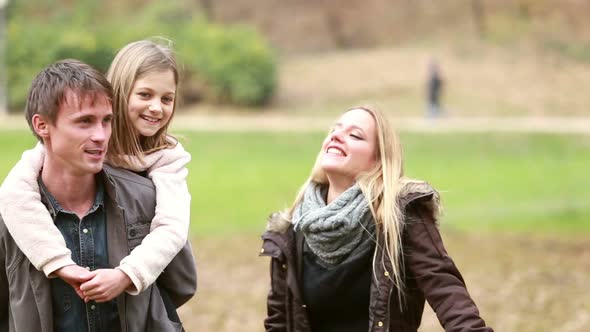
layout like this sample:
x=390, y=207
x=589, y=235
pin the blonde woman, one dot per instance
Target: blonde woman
x=360, y=249
x=144, y=76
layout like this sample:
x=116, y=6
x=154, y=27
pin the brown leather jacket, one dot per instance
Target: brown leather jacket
x=429, y=274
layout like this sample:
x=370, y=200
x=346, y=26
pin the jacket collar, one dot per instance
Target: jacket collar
x=116, y=221
x=410, y=191
x=280, y=232
x=53, y=205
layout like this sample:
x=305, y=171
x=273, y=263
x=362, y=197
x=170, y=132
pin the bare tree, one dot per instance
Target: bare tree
x=335, y=28
x=207, y=8
x=334, y=24
x=3, y=73
x=479, y=16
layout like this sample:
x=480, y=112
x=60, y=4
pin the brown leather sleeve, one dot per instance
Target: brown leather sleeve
x=4, y=299
x=179, y=279
x=436, y=274
x=276, y=319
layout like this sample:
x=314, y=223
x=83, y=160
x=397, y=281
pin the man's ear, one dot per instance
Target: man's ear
x=40, y=126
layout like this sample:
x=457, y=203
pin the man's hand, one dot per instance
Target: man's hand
x=105, y=285
x=75, y=276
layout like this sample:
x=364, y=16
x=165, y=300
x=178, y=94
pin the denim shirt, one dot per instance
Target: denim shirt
x=87, y=240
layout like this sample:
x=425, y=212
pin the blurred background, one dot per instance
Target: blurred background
x=490, y=98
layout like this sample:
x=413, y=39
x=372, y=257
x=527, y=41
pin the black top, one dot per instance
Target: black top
x=337, y=298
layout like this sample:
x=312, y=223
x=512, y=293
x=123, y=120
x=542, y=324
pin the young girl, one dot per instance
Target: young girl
x=144, y=76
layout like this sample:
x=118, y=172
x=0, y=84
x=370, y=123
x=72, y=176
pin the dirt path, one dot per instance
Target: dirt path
x=281, y=122
x=274, y=122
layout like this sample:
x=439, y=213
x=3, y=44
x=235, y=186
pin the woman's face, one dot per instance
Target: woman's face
x=350, y=148
x=151, y=102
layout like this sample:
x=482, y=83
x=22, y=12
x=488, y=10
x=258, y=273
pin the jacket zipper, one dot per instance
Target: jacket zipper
x=389, y=308
x=128, y=252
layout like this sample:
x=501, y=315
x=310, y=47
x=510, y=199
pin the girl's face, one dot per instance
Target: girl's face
x=350, y=147
x=151, y=102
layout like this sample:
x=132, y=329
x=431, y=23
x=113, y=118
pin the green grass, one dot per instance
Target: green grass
x=507, y=182
x=488, y=181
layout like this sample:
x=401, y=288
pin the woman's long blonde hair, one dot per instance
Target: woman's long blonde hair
x=381, y=186
x=133, y=62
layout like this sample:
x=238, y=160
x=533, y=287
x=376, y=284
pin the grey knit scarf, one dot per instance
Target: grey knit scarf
x=335, y=231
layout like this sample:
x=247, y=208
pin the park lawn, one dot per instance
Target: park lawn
x=488, y=181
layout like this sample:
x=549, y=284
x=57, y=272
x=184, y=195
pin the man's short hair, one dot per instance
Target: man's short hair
x=51, y=87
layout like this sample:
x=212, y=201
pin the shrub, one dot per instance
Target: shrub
x=229, y=64
x=234, y=64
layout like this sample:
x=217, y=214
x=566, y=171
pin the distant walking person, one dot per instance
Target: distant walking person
x=434, y=88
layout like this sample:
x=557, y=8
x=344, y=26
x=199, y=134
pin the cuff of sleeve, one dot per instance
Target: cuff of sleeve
x=136, y=285
x=55, y=265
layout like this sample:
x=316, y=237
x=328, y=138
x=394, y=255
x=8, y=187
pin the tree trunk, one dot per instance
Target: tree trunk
x=479, y=17
x=207, y=9
x=3, y=72
x=333, y=24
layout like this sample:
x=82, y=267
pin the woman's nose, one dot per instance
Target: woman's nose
x=336, y=135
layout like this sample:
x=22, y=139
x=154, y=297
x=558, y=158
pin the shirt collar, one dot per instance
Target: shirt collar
x=54, y=207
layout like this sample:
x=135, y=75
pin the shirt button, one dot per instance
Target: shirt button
x=92, y=307
x=284, y=266
x=303, y=306
x=386, y=273
x=262, y=250
x=380, y=324
x=85, y=230
x=87, y=268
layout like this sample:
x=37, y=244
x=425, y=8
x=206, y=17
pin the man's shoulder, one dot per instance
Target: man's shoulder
x=3, y=228
x=5, y=237
x=130, y=190
x=126, y=177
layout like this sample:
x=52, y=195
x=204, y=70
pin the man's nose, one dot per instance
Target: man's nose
x=101, y=133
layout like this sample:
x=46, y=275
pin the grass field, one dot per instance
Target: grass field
x=488, y=181
x=505, y=182
x=517, y=219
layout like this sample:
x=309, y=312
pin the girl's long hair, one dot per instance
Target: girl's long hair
x=135, y=61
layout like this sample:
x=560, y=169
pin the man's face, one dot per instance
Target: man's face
x=77, y=141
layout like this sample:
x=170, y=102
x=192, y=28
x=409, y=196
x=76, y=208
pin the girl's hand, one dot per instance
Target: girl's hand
x=74, y=275
x=105, y=285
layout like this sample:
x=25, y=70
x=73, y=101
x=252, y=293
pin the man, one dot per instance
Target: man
x=102, y=214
